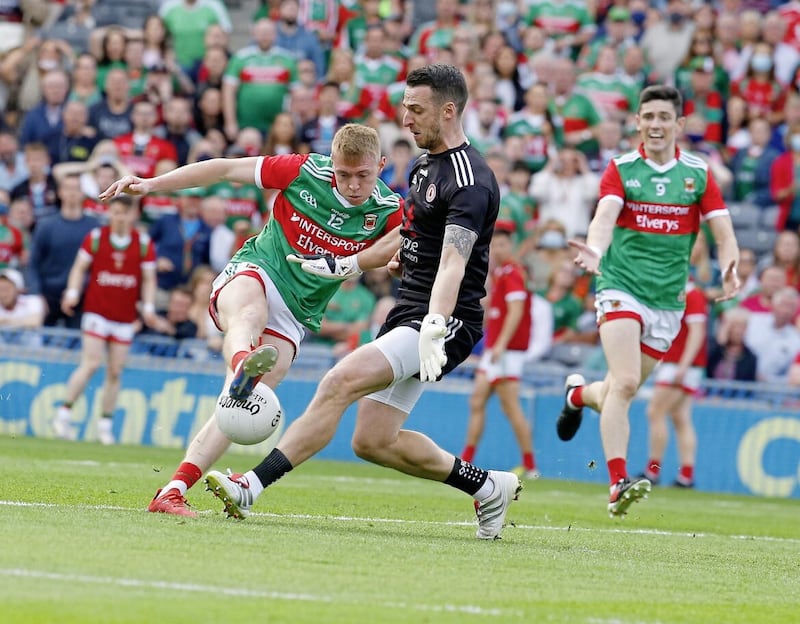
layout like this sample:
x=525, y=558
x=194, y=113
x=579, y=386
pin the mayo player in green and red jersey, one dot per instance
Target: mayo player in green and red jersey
x=652, y=202
x=334, y=205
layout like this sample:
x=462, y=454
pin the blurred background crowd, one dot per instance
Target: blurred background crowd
x=94, y=89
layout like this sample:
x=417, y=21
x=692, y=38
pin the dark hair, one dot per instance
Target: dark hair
x=446, y=82
x=662, y=92
x=520, y=165
x=125, y=200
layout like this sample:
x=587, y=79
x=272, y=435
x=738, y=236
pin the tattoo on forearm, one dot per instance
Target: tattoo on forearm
x=461, y=238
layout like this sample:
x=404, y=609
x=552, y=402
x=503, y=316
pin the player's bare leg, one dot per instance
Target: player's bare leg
x=686, y=438
x=243, y=311
x=117, y=358
x=664, y=400
x=209, y=444
x=93, y=352
x=628, y=367
x=481, y=391
x=508, y=393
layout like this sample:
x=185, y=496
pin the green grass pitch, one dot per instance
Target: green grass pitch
x=350, y=543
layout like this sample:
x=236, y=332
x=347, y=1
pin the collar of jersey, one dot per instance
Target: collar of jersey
x=449, y=151
x=660, y=168
x=343, y=200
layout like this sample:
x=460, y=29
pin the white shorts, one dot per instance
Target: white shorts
x=111, y=331
x=664, y=375
x=507, y=368
x=659, y=327
x=400, y=346
x=280, y=322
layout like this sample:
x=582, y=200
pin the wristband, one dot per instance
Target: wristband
x=354, y=264
x=595, y=250
x=72, y=293
x=148, y=308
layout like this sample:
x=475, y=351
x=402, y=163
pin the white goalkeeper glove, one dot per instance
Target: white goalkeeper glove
x=431, y=347
x=326, y=266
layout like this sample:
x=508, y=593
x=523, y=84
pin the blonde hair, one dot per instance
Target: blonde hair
x=354, y=142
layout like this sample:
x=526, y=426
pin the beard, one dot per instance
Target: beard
x=430, y=139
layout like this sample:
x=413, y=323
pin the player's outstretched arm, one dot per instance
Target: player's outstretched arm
x=202, y=173
x=728, y=255
x=601, y=229
x=77, y=276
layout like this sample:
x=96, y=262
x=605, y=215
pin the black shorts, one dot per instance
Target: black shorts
x=461, y=337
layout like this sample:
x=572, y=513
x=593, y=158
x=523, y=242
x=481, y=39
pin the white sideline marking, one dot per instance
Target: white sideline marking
x=530, y=527
x=244, y=592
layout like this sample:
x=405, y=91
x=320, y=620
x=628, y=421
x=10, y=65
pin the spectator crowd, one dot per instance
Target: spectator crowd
x=95, y=89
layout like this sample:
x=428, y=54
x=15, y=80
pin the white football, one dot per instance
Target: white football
x=250, y=421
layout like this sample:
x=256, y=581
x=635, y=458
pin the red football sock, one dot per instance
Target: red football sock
x=238, y=357
x=653, y=467
x=575, y=397
x=617, y=469
x=468, y=454
x=686, y=474
x=188, y=473
x=528, y=462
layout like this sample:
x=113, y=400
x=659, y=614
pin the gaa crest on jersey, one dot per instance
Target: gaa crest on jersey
x=688, y=185
x=430, y=194
x=119, y=259
x=370, y=221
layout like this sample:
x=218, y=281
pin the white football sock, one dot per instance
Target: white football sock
x=177, y=484
x=255, y=484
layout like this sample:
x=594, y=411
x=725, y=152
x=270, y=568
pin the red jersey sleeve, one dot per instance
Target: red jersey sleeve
x=712, y=198
x=277, y=172
x=611, y=183
x=514, y=283
x=396, y=218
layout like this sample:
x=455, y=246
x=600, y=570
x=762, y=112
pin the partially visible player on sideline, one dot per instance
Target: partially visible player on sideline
x=327, y=204
x=639, y=242
x=508, y=334
x=447, y=226
x=678, y=379
x=121, y=263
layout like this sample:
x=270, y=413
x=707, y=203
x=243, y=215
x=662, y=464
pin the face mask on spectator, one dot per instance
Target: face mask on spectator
x=693, y=137
x=676, y=18
x=638, y=17
x=761, y=63
x=48, y=65
x=795, y=142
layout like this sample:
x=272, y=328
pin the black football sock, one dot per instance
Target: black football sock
x=274, y=466
x=466, y=477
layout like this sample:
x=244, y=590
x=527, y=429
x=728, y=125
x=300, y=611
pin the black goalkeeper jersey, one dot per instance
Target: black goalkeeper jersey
x=455, y=187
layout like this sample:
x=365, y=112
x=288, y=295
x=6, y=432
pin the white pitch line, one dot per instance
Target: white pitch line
x=528, y=527
x=244, y=592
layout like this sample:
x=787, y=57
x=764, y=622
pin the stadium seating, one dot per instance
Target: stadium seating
x=745, y=216
x=123, y=12
x=769, y=216
x=759, y=240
